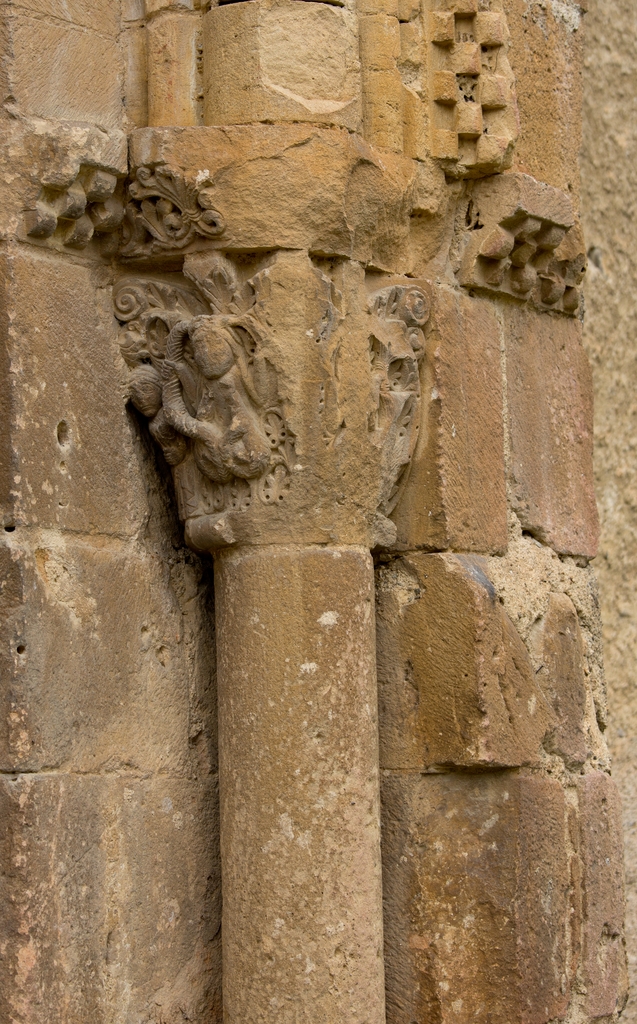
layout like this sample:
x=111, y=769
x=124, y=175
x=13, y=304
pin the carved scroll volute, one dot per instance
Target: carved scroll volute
x=285, y=399
x=168, y=213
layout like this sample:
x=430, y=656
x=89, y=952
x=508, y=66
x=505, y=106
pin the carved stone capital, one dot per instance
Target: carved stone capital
x=263, y=187
x=283, y=392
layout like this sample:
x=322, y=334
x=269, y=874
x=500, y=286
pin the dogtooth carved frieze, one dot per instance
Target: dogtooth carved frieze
x=90, y=206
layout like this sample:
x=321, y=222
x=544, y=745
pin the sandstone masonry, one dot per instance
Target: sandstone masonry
x=291, y=322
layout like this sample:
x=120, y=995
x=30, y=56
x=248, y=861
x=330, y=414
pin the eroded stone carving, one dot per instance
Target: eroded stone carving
x=519, y=238
x=473, y=106
x=88, y=206
x=167, y=212
x=200, y=375
x=396, y=348
x=246, y=391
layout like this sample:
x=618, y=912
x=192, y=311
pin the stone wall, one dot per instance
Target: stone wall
x=108, y=749
x=609, y=184
x=306, y=277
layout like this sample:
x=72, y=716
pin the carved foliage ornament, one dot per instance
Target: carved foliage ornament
x=166, y=212
x=200, y=375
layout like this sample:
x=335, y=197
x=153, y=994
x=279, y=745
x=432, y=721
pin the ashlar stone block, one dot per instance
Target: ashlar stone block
x=603, y=955
x=65, y=85
x=98, y=15
x=549, y=398
x=95, y=683
x=456, y=683
x=104, y=918
x=281, y=60
x=545, y=54
x=476, y=882
x=380, y=49
x=455, y=495
x=173, y=82
x=58, y=350
x=559, y=651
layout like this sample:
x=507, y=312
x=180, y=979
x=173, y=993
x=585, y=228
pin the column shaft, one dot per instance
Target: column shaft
x=302, y=914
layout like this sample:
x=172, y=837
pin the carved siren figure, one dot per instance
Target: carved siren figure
x=203, y=382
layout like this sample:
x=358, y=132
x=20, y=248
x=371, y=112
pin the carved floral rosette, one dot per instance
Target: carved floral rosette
x=200, y=376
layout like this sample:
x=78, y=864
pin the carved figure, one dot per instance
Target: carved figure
x=205, y=384
x=396, y=348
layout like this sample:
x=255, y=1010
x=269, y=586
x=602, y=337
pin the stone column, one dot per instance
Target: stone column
x=350, y=333
x=283, y=389
x=302, y=921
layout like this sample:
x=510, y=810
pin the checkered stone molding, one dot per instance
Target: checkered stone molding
x=472, y=101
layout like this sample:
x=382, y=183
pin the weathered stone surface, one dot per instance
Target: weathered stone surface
x=59, y=353
x=173, y=84
x=295, y=339
x=455, y=495
x=475, y=877
x=545, y=55
x=526, y=579
x=300, y=187
x=549, y=400
x=609, y=187
x=65, y=85
x=93, y=683
x=278, y=60
x=456, y=684
x=558, y=645
x=104, y=918
x=299, y=786
x=604, y=964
